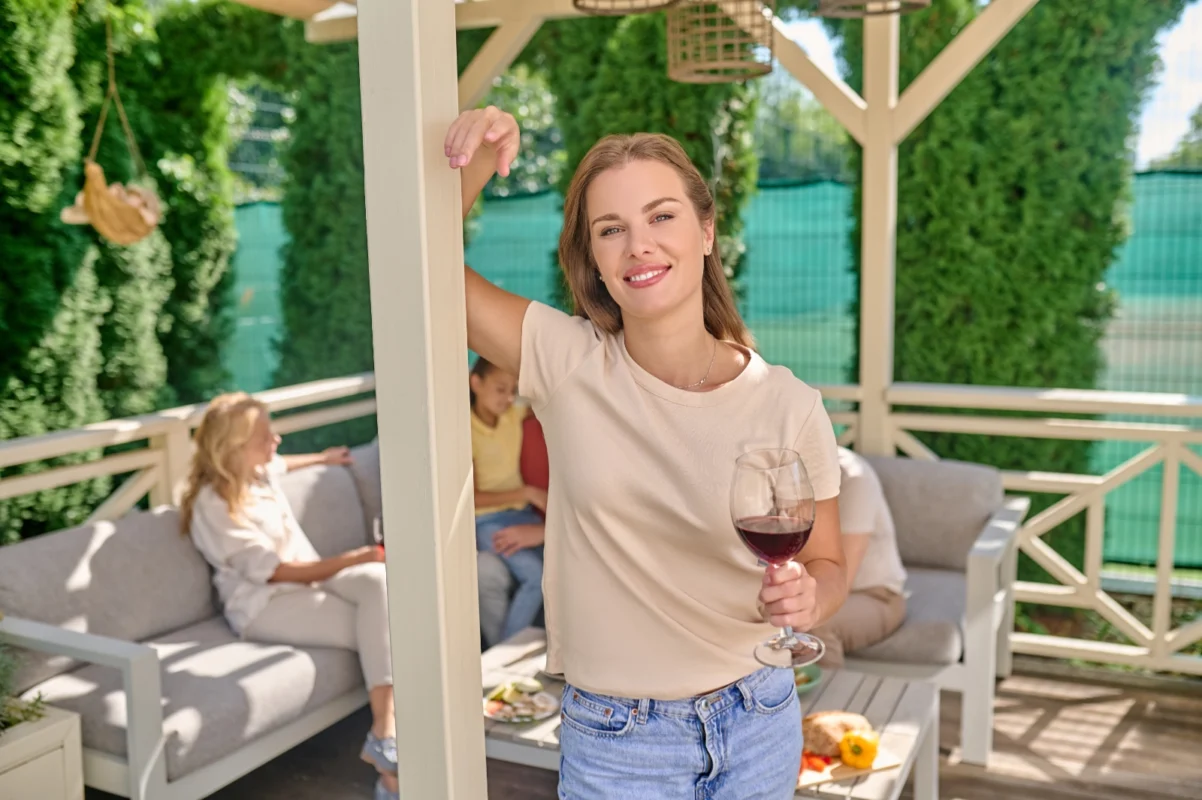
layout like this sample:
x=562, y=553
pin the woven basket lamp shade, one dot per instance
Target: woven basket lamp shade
x=869, y=8
x=720, y=42
x=621, y=7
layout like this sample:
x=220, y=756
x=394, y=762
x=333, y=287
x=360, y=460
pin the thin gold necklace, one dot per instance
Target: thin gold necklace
x=706, y=376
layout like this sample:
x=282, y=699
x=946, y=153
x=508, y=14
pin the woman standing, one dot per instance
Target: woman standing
x=647, y=397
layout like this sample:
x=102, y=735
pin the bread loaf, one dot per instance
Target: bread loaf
x=823, y=730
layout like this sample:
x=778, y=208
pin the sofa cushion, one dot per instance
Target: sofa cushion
x=938, y=507
x=933, y=629
x=131, y=579
x=326, y=504
x=221, y=693
x=365, y=469
x=536, y=470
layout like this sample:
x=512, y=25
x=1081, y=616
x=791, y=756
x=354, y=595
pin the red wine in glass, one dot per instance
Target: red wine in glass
x=772, y=507
x=776, y=540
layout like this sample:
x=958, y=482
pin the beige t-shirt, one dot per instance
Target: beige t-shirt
x=649, y=591
x=864, y=510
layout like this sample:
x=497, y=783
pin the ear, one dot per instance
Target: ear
x=707, y=230
x=474, y=382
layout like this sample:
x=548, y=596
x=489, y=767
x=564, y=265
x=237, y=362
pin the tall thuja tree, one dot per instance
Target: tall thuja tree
x=1009, y=201
x=324, y=290
x=50, y=313
x=187, y=150
x=135, y=280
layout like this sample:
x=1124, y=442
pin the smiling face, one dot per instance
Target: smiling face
x=646, y=238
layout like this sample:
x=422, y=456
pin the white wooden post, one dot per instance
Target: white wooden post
x=878, y=240
x=415, y=253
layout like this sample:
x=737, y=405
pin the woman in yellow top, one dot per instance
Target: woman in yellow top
x=506, y=521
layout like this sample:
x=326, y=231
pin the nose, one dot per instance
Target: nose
x=641, y=241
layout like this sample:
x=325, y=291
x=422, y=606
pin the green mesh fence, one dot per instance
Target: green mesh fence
x=797, y=299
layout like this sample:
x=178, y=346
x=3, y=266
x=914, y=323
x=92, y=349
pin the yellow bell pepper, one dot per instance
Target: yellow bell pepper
x=858, y=748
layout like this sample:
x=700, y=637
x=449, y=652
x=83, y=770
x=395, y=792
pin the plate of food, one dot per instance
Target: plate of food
x=840, y=745
x=520, y=701
x=806, y=678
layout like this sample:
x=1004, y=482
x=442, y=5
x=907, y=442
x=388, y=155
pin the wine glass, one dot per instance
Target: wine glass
x=772, y=506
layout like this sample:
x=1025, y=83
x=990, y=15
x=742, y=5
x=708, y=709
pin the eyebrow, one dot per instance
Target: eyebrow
x=656, y=202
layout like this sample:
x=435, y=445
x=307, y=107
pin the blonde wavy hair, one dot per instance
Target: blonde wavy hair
x=227, y=426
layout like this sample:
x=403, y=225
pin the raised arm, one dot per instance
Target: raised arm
x=482, y=142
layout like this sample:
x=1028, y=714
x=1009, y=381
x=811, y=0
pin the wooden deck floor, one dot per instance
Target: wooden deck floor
x=1055, y=739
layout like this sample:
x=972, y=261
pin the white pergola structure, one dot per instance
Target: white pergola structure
x=411, y=93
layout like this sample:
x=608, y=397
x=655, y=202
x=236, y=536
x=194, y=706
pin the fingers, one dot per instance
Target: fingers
x=467, y=134
x=790, y=597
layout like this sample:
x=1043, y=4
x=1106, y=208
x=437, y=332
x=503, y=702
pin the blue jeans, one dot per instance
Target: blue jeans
x=525, y=565
x=742, y=742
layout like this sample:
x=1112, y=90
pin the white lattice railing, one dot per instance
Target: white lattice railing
x=159, y=468
x=1154, y=647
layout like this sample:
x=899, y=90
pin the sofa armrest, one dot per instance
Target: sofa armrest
x=992, y=561
x=139, y=666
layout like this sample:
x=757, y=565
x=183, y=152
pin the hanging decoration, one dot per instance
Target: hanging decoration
x=621, y=7
x=121, y=214
x=720, y=42
x=850, y=9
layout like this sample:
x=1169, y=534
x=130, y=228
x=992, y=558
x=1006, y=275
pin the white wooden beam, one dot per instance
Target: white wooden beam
x=415, y=257
x=503, y=46
x=878, y=251
x=829, y=89
x=955, y=61
x=296, y=9
x=339, y=24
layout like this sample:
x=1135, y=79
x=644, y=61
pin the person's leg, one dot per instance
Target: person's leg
x=619, y=749
x=365, y=587
x=757, y=741
x=527, y=568
x=865, y=618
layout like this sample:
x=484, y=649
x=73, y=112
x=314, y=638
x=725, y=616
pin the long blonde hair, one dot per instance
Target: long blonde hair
x=591, y=298
x=227, y=426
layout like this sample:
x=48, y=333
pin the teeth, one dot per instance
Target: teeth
x=645, y=276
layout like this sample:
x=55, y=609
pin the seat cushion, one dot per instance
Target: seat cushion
x=327, y=505
x=131, y=579
x=221, y=693
x=938, y=507
x=932, y=632
x=365, y=469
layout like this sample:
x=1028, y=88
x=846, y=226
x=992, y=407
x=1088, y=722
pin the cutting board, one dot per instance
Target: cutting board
x=838, y=771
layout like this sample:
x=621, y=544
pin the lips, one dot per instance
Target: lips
x=645, y=275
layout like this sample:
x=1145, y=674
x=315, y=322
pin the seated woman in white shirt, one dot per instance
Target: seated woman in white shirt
x=273, y=585
x=876, y=603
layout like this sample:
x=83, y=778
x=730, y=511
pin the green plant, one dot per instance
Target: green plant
x=13, y=710
x=1009, y=210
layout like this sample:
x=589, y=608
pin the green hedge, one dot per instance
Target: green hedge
x=1010, y=201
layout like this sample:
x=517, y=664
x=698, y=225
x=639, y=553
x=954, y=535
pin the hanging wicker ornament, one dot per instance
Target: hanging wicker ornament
x=621, y=7
x=720, y=42
x=121, y=214
x=850, y=9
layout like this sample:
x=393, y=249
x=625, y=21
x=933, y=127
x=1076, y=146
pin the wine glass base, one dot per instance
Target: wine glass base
x=790, y=652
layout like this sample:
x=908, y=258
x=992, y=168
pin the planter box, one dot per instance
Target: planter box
x=41, y=760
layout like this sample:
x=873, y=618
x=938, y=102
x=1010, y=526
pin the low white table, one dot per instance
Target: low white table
x=906, y=713
x=42, y=760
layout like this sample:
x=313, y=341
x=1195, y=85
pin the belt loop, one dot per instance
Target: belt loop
x=643, y=711
x=745, y=690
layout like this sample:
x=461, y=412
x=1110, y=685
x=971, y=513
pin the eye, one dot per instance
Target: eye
x=662, y=216
x=609, y=230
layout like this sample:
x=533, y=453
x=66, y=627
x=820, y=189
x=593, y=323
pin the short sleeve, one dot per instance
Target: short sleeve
x=554, y=344
x=819, y=452
x=230, y=543
x=859, y=498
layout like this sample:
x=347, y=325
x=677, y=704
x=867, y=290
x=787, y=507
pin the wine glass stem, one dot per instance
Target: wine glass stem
x=786, y=632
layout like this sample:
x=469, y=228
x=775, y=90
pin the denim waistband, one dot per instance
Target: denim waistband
x=706, y=705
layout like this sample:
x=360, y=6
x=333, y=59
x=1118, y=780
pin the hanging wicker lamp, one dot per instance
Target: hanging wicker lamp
x=720, y=42
x=621, y=7
x=121, y=214
x=849, y=9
